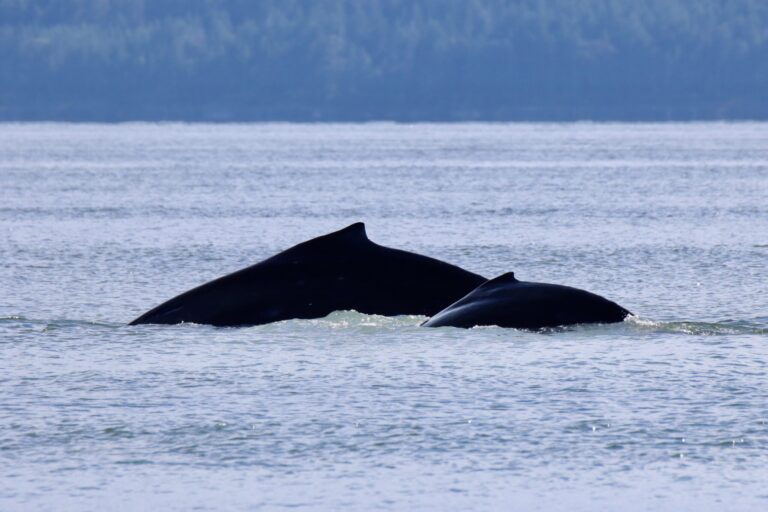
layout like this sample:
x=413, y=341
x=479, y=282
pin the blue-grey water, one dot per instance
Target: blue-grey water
x=668, y=411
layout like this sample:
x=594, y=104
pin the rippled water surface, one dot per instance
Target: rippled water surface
x=668, y=411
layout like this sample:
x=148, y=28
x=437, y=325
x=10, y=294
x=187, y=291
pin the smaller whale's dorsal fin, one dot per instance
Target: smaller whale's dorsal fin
x=508, y=277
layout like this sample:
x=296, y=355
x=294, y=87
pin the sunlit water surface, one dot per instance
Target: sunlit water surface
x=668, y=411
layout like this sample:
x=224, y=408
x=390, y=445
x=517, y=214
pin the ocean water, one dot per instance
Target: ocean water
x=667, y=411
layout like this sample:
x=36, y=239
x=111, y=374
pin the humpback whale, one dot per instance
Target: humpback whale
x=506, y=302
x=343, y=270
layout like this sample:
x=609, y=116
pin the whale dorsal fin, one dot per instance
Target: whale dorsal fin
x=354, y=231
x=328, y=246
x=508, y=278
x=352, y=234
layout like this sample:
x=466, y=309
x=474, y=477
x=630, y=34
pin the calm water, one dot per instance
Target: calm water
x=668, y=411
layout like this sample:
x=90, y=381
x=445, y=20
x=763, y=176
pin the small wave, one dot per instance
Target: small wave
x=11, y=318
x=52, y=324
x=725, y=327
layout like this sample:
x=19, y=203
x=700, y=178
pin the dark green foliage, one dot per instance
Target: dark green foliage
x=395, y=59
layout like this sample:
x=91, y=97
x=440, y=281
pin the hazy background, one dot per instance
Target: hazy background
x=403, y=60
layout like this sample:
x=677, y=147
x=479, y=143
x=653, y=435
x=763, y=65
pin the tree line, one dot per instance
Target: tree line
x=383, y=59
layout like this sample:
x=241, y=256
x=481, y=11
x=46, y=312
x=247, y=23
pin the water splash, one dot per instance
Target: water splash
x=352, y=320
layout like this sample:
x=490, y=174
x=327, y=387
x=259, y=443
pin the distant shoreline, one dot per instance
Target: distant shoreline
x=43, y=121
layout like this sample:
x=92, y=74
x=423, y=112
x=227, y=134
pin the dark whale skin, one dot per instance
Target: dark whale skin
x=507, y=302
x=343, y=270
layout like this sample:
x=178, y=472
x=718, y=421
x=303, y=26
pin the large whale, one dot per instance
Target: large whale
x=343, y=270
x=506, y=302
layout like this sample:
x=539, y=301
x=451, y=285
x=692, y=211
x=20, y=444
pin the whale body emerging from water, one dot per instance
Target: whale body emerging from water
x=343, y=270
x=506, y=302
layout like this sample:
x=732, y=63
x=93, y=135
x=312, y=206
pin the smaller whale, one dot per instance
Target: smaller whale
x=506, y=302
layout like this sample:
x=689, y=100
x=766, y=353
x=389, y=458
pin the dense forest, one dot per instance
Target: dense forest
x=383, y=59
